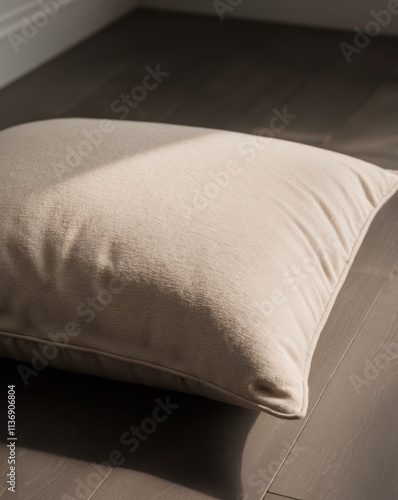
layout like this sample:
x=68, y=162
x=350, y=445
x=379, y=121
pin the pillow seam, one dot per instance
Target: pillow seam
x=252, y=404
x=343, y=275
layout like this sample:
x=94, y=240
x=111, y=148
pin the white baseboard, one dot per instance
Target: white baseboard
x=31, y=33
x=334, y=14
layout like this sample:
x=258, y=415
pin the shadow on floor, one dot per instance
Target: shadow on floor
x=199, y=445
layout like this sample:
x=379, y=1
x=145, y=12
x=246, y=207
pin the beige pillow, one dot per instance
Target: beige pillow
x=190, y=259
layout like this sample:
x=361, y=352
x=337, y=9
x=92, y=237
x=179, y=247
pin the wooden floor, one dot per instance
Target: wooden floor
x=229, y=75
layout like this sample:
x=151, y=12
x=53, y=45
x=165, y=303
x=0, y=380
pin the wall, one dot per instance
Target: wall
x=34, y=31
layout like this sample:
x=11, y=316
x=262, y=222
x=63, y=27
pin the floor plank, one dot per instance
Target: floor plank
x=371, y=132
x=259, y=78
x=66, y=424
x=329, y=99
x=379, y=253
x=357, y=458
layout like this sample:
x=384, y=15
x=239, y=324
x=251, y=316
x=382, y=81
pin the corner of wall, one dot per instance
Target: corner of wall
x=34, y=31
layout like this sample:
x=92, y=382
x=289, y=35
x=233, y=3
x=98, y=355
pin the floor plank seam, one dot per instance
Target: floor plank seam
x=332, y=134
x=325, y=388
x=100, y=484
x=93, y=91
x=283, y=496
